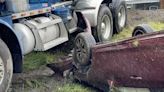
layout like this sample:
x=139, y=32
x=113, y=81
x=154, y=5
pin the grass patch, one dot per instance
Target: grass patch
x=35, y=60
x=157, y=25
x=127, y=32
x=73, y=87
x=48, y=84
x=33, y=83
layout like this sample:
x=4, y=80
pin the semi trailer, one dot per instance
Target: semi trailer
x=39, y=25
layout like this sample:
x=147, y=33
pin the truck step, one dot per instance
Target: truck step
x=53, y=43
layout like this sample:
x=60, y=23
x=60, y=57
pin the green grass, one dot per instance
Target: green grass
x=35, y=60
x=49, y=84
x=72, y=87
x=127, y=32
x=157, y=25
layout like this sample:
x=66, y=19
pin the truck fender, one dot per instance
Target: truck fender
x=8, y=35
x=89, y=9
x=83, y=23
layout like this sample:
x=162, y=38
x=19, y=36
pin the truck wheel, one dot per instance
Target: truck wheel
x=82, y=50
x=119, y=12
x=104, y=30
x=142, y=29
x=6, y=67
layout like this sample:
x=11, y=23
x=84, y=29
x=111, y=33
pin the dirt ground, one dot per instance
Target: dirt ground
x=136, y=17
x=44, y=79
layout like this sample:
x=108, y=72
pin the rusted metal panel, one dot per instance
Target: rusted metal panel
x=136, y=62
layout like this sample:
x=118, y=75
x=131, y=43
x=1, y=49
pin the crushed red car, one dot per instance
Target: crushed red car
x=135, y=62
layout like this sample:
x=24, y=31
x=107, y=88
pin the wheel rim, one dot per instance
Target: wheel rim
x=105, y=27
x=2, y=69
x=122, y=16
x=81, y=50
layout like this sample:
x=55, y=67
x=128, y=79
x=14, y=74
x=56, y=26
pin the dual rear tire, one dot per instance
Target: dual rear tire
x=110, y=20
x=104, y=30
x=119, y=11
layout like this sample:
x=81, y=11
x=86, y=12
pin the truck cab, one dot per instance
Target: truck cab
x=31, y=26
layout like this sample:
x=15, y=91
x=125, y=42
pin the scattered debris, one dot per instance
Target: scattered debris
x=63, y=65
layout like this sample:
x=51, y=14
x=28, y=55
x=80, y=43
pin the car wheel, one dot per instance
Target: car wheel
x=142, y=29
x=82, y=49
x=6, y=67
x=104, y=30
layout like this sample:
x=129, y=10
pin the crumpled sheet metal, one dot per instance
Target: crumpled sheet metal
x=135, y=62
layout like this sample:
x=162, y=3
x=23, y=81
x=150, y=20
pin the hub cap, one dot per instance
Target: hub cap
x=122, y=16
x=105, y=27
x=1, y=70
x=81, y=50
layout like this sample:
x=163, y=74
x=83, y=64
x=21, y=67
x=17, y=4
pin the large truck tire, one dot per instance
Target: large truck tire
x=82, y=49
x=119, y=12
x=6, y=67
x=104, y=30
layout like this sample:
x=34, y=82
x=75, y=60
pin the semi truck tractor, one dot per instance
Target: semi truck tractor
x=36, y=25
x=39, y=25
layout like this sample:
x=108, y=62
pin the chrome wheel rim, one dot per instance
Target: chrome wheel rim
x=122, y=16
x=81, y=50
x=2, y=69
x=105, y=27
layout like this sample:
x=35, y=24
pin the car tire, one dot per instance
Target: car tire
x=119, y=12
x=142, y=29
x=104, y=30
x=6, y=67
x=82, y=49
